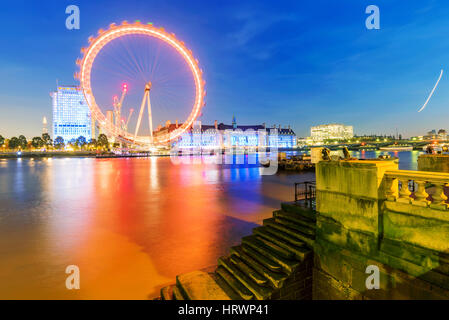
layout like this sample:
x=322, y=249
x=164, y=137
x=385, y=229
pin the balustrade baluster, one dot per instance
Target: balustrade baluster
x=391, y=188
x=421, y=194
x=404, y=192
x=438, y=197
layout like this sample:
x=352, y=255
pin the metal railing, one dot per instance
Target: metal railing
x=305, y=192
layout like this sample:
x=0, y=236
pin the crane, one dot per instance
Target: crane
x=125, y=124
x=118, y=105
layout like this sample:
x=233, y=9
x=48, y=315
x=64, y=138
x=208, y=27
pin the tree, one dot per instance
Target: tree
x=47, y=139
x=81, y=142
x=59, y=142
x=103, y=141
x=2, y=141
x=37, y=142
x=13, y=143
x=92, y=143
x=72, y=143
x=23, y=143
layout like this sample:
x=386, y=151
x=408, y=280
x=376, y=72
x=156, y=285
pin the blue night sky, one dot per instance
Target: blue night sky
x=301, y=63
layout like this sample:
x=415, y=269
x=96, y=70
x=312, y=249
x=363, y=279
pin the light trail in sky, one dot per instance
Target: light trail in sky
x=431, y=94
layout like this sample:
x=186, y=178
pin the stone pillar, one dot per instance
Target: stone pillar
x=350, y=195
x=433, y=162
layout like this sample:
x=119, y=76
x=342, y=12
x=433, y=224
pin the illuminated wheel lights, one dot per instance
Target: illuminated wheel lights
x=137, y=28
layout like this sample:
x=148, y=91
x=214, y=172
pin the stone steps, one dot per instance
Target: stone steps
x=259, y=267
x=276, y=279
x=248, y=270
x=309, y=239
x=284, y=236
x=269, y=263
x=259, y=242
x=259, y=292
x=299, y=252
x=280, y=256
x=177, y=294
x=295, y=218
x=295, y=226
x=167, y=293
x=198, y=285
x=236, y=285
x=225, y=286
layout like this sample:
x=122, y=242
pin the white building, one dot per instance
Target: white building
x=71, y=114
x=331, y=132
x=220, y=135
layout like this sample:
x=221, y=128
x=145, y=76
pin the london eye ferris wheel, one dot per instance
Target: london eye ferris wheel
x=155, y=71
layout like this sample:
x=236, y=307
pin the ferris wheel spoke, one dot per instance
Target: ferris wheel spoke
x=155, y=60
x=117, y=74
x=133, y=60
x=123, y=63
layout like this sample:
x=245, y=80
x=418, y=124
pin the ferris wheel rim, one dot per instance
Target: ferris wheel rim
x=106, y=36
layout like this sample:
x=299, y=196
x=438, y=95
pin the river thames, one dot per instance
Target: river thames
x=130, y=225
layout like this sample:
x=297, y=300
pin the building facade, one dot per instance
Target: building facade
x=71, y=114
x=221, y=135
x=331, y=132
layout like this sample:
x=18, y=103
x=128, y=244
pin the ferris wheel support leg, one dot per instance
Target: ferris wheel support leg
x=142, y=107
x=150, y=118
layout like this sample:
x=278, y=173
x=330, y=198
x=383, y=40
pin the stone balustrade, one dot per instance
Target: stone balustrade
x=428, y=188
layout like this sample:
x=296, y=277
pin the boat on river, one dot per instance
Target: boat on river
x=397, y=147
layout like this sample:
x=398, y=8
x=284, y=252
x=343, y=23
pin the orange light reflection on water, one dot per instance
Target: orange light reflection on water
x=131, y=225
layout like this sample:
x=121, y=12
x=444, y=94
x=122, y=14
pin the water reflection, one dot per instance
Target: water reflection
x=130, y=225
x=408, y=160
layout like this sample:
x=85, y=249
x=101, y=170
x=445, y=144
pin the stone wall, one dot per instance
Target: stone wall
x=299, y=285
x=433, y=162
x=362, y=220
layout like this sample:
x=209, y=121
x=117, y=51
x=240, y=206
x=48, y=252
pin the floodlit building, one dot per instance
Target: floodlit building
x=221, y=135
x=71, y=114
x=331, y=132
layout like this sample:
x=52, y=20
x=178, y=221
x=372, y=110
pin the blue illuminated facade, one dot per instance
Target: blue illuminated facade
x=228, y=136
x=71, y=114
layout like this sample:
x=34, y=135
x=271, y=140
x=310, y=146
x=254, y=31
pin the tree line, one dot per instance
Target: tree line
x=45, y=142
